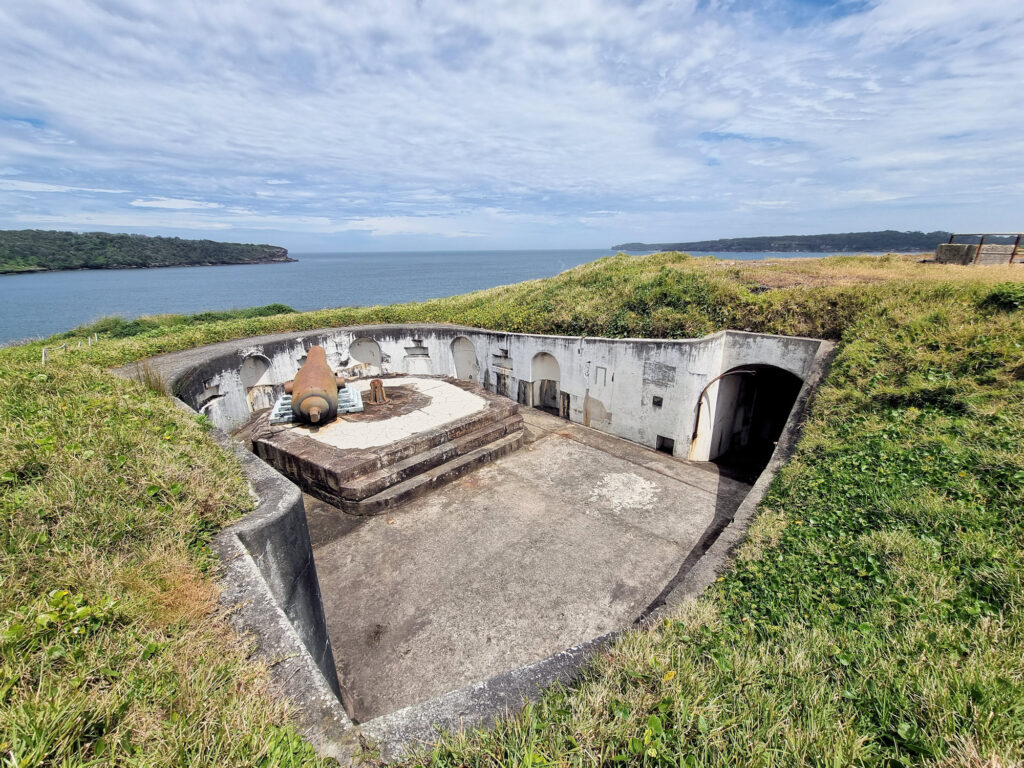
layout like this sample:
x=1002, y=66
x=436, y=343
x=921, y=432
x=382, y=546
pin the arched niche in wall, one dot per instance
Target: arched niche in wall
x=366, y=351
x=254, y=370
x=741, y=415
x=546, y=376
x=464, y=355
x=256, y=377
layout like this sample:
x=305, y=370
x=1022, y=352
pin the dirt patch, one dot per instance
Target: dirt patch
x=402, y=399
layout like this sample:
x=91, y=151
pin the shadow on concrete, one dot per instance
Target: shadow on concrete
x=552, y=546
x=727, y=501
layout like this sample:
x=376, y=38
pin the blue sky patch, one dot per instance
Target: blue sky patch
x=506, y=124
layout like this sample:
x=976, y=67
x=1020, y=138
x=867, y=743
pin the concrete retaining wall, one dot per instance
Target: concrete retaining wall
x=968, y=253
x=271, y=591
x=640, y=389
x=955, y=253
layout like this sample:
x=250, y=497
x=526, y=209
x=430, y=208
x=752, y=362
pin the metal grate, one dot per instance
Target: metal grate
x=350, y=400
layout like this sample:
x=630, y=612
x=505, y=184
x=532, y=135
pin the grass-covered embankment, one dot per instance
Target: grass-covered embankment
x=874, y=616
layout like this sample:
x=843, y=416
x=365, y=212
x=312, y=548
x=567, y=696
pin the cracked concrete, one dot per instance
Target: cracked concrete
x=568, y=539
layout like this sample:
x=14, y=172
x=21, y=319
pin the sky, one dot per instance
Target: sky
x=354, y=126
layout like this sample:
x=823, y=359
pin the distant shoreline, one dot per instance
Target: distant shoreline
x=878, y=241
x=811, y=254
x=37, y=270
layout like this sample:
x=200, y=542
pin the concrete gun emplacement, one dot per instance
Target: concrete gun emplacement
x=314, y=389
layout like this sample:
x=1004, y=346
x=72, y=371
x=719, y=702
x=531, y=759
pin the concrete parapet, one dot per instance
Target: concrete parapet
x=956, y=253
x=271, y=591
x=644, y=390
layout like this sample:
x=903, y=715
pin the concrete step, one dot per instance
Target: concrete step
x=437, y=476
x=366, y=485
x=373, y=460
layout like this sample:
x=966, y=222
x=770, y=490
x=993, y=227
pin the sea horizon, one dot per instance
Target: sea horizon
x=40, y=304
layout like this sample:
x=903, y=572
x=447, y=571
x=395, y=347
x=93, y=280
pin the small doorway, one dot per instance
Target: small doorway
x=256, y=377
x=464, y=357
x=546, y=376
x=366, y=357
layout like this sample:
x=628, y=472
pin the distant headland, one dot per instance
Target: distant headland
x=846, y=242
x=38, y=250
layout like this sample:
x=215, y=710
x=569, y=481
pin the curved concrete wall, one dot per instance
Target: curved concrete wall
x=271, y=590
x=606, y=384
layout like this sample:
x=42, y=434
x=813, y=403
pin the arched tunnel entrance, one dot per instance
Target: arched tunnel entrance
x=740, y=417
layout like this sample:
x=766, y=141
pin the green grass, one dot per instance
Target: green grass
x=109, y=649
x=118, y=328
x=874, y=616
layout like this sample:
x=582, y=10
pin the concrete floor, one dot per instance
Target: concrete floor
x=567, y=539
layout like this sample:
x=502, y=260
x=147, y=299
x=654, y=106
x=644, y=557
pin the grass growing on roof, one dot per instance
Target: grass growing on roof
x=873, y=617
x=875, y=614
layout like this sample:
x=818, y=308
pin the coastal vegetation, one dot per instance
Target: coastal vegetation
x=37, y=250
x=846, y=242
x=874, y=616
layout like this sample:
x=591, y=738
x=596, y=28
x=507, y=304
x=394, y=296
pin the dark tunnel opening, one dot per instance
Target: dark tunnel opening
x=752, y=409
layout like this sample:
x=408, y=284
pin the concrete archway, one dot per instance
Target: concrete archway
x=464, y=356
x=367, y=352
x=256, y=377
x=741, y=416
x=254, y=370
x=547, y=379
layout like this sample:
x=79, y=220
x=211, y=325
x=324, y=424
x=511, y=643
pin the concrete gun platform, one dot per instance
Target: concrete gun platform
x=431, y=431
x=575, y=535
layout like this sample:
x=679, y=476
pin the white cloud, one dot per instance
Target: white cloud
x=174, y=203
x=115, y=219
x=386, y=226
x=35, y=186
x=513, y=122
x=768, y=203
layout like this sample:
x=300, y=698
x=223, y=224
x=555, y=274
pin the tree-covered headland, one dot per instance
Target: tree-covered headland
x=885, y=241
x=37, y=250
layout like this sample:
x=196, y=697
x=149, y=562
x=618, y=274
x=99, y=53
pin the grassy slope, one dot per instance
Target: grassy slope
x=874, y=615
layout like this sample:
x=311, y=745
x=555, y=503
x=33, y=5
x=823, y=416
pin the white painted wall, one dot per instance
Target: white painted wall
x=611, y=383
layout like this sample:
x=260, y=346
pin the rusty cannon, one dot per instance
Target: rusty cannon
x=314, y=389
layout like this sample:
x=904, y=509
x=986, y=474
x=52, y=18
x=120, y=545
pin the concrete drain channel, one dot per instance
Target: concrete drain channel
x=434, y=561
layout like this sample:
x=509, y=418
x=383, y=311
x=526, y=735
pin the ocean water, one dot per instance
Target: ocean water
x=40, y=304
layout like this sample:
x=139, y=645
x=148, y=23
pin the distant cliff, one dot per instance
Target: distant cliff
x=846, y=242
x=37, y=250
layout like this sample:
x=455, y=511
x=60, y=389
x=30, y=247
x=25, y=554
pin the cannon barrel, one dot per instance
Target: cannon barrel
x=314, y=389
